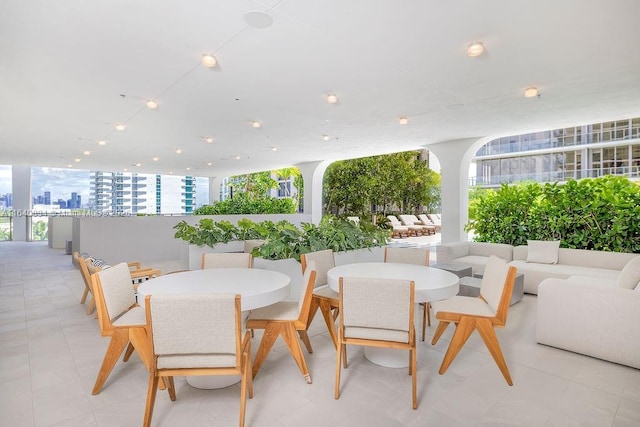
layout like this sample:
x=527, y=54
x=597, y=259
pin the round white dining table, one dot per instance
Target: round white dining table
x=256, y=287
x=431, y=284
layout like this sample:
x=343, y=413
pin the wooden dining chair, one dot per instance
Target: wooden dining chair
x=196, y=335
x=418, y=256
x=324, y=298
x=286, y=319
x=227, y=260
x=86, y=278
x=482, y=313
x=118, y=314
x=377, y=313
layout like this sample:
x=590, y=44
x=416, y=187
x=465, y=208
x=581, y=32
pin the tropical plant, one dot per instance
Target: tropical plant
x=600, y=214
x=282, y=238
x=242, y=204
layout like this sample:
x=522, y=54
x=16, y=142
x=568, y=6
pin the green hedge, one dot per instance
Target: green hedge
x=241, y=204
x=599, y=214
x=283, y=239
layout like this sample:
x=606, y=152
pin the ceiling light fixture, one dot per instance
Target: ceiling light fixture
x=86, y=152
x=209, y=163
x=332, y=99
x=178, y=151
x=403, y=120
x=209, y=61
x=69, y=166
x=155, y=159
x=188, y=169
x=531, y=92
x=274, y=148
x=152, y=105
x=76, y=160
x=125, y=170
x=102, y=142
x=209, y=139
x=325, y=137
x=256, y=124
x=138, y=164
x=237, y=157
x=475, y=49
x=120, y=126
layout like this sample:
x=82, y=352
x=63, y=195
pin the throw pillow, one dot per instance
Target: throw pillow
x=630, y=274
x=543, y=251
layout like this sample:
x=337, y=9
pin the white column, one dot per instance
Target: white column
x=313, y=175
x=21, y=191
x=455, y=159
x=214, y=189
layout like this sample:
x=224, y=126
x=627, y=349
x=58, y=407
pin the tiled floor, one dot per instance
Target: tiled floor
x=50, y=351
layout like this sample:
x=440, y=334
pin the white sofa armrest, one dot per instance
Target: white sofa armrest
x=597, y=321
x=447, y=252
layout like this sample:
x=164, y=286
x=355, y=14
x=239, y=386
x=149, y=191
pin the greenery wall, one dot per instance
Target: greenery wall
x=399, y=182
x=599, y=214
x=243, y=204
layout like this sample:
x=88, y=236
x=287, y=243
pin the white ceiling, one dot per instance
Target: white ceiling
x=70, y=70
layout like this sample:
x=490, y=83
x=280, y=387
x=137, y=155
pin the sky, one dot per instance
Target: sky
x=62, y=182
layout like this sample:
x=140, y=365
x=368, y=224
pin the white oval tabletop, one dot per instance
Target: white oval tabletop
x=431, y=284
x=257, y=288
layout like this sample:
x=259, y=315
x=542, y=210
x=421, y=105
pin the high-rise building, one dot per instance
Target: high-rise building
x=609, y=148
x=47, y=197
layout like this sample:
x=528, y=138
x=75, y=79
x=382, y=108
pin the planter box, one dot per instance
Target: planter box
x=375, y=254
x=191, y=256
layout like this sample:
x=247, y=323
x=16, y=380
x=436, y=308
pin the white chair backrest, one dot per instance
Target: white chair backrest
x=425, y=219
x=324, y=262
x=393, y=220
x=191, y=324
x=377, y=303
x=408, y=219
x=226, y=260
x=493, y=281
x=116, y=289
x=418, y=256
x=306, y=289
x=434, y=218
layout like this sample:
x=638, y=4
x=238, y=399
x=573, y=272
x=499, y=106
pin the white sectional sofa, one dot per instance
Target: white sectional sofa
x=475, y=254
x=598, y=320
x=599, y=265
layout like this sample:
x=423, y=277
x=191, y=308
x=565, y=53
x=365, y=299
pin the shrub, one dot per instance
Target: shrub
x=599, y=214
x=242, y=204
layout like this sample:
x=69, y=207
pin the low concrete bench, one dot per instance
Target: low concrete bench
x=470, y=287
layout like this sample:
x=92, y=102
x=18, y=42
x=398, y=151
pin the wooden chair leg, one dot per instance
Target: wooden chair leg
x=426, y=318
x=442, y=326
x=288, y=332
x=329, y=320
x=414, y=379
x=339, y=357
x=243, y=387
x=305, y=339
x=84, y=295
x=463, y=330
x=128, y=352
x=92, y=305
x=151, y=399
x=488, y=334
x=119, y=340
x=268, y=338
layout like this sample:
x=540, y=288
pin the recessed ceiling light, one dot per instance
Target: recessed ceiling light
x=256, y=124
x=332, y=99
x=325, y=137
x=155, y=159
x=152, y=105
x=170, y=172
x=86, y=152
x=237, y=157
x=178, y=151
x=102, y=142
x=475, y=49
x=188, y=169
x=403, y=120
x=531, y=92
x=209, y=163
x=274, y=148
x=138, y=164
x=209, y=139
x=209, y=61
x=120, y=126
x=69, y=166
x=76, y=160
x=125, y=170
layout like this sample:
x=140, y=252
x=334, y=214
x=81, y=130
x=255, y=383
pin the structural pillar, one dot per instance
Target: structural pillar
x=21, y=202
x=455, y=158
x=214, y=189
x=313, y=175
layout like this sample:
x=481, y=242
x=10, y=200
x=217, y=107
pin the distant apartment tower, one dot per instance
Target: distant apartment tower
x=608, y=148
x=111, y=192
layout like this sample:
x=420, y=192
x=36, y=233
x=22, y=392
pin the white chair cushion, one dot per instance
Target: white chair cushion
x=283, y=310
x=543, y=252
x=493, y=280
x=326, y=292
x=464, y=305
x=630, y=275
x=134, y=317
x=324, y=262
x=117, y=290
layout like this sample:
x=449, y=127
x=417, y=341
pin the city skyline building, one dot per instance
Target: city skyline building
x=588, y=151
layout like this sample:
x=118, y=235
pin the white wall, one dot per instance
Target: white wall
x=59, y=231
x=146, y=238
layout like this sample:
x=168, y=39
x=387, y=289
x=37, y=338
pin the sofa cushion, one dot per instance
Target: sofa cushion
x=630, y=275
x=500, y=250
x=535, y=273
x=542, y=251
